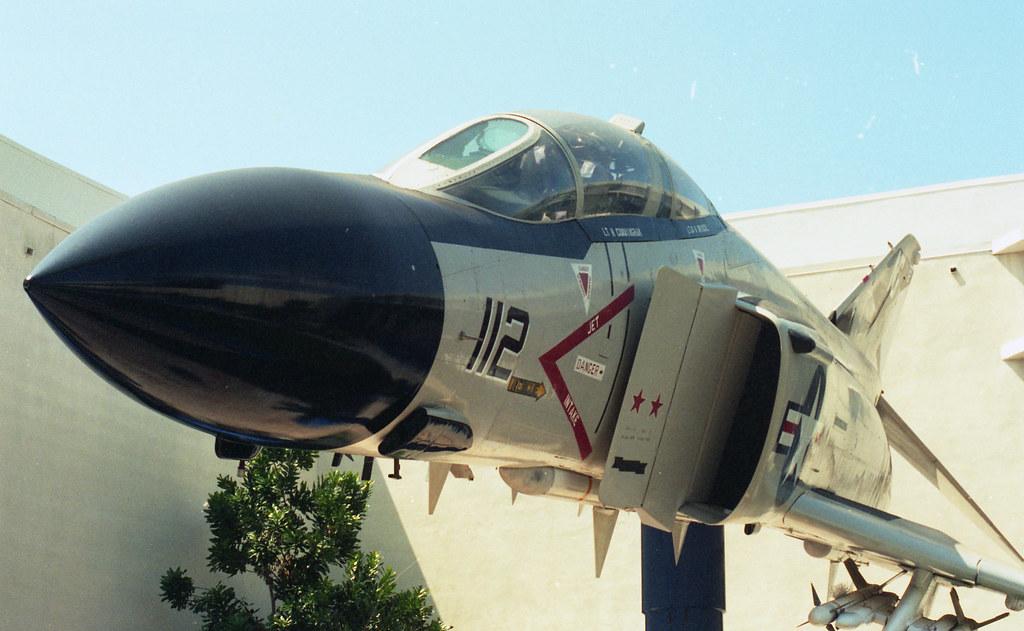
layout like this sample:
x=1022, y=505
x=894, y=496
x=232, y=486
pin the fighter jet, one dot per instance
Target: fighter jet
x=541, y=292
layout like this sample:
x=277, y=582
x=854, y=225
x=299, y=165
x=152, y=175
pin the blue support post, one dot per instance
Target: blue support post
x=689, y=596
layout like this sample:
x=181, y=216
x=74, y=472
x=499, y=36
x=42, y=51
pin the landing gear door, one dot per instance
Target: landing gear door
x=688, y=371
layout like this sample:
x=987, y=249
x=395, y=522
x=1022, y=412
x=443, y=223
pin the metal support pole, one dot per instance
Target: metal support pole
x=689, y=596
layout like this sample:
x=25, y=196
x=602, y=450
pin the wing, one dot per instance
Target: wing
x=874, y=533
x=877, y=534
x=907, y=444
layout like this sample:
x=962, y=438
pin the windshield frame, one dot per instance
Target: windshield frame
x=412, y=171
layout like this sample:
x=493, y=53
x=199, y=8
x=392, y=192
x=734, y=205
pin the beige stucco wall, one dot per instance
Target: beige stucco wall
x=945, y=218
x=100, y=495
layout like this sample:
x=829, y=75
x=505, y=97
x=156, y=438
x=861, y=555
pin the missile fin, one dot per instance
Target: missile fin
x=960, y=617
x=858, y=579
x=679, y=529
x=437, y=474
x=604, y=526
x=515, y=494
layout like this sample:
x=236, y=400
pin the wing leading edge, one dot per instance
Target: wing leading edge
x=874, y=533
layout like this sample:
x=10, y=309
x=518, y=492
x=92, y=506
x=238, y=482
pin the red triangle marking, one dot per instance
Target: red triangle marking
x=584, y=278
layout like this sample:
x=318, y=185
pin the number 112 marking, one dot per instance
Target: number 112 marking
x=489, y=328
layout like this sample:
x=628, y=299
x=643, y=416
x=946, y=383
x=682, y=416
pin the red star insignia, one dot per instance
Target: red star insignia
x=655, y=406
x=638, y=399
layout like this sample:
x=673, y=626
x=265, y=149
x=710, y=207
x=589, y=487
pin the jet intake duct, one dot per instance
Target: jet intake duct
x=688, y=378
x=725, y=405
x=426, y=431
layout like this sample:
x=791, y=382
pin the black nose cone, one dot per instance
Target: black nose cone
x=274, y=305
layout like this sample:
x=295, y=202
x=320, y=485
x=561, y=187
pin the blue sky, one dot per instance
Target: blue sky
x=780, y=104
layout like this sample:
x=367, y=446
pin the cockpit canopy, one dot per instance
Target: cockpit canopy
x=550, y=166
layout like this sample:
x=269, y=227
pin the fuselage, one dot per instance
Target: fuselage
x=492, y=315
x=579, y=293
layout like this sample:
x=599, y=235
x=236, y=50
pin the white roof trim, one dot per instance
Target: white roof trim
x=1012, y=241
x=860, y=199
x=60, y=167
x=23, y=206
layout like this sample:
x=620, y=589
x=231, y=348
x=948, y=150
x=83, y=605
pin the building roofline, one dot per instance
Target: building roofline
x=21, y=205
x=56, y=165
x=860, y=199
